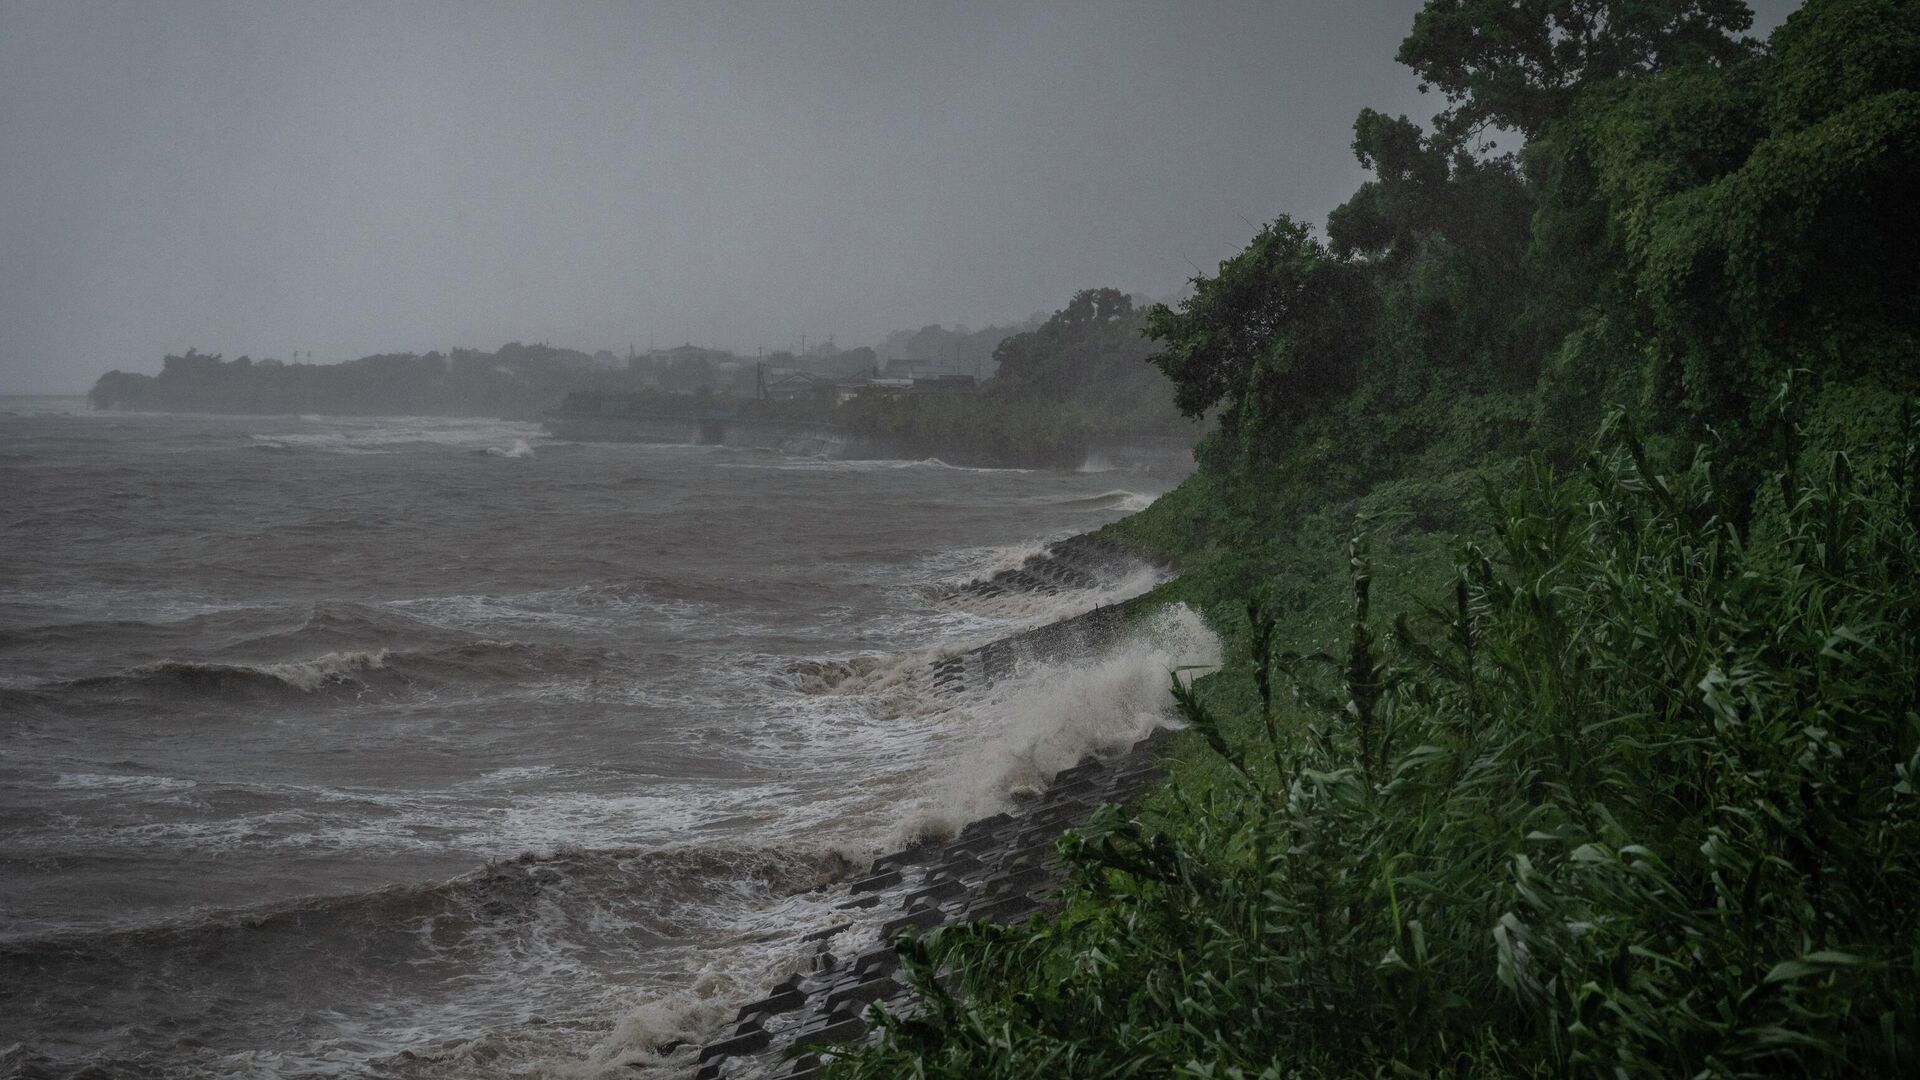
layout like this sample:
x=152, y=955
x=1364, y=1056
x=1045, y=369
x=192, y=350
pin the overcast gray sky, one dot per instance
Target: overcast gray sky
x=354, y=178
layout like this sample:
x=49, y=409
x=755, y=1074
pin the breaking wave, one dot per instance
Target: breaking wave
x=646, y=885
x=454, y=958
x=206, y=677
x=519, y=449
x=1049, y=713
x=857, y=464
x=352, y=669
x=1131, y=502
x=386, y=435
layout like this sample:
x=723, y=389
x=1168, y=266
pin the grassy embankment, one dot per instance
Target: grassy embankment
x=1631, y=793
x=1545, y=746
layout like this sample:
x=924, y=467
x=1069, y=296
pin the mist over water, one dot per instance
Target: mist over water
x=432, y=747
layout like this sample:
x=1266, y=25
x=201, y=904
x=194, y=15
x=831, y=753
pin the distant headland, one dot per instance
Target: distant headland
x=1040, y=395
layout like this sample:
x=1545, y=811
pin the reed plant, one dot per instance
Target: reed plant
x=1633, y=795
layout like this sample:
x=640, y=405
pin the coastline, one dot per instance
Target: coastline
x=822, y=727
x=1001, y=868
x=998, y=869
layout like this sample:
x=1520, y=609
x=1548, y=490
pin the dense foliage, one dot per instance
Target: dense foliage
x=1691, y=217
x=969, y=429
x=1623, y=783
x=1058, y=388
x=1086, y=359
x=1518, y=65
x=1638, y=800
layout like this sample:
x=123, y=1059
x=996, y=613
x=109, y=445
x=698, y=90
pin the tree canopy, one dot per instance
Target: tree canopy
x=1693, y=217
x=1519, y=64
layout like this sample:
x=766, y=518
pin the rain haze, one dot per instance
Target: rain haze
x=349, y=179
x=538, y=538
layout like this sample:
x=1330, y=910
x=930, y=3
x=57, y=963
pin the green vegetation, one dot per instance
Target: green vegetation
x=1077, y=377
x=985, y=430
x=1073, y=379
x=1060, y=385
x=514, y=380
x=1638, y=798
x=1590, y=754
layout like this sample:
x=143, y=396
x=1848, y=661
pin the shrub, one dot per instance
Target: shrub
x=1636, y=798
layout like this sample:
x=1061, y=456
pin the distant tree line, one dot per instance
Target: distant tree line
x=515, y=379
x=1078, y=376
x=1060, y=383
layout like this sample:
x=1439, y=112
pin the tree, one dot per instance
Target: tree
x=1763, y=215
x=1518, y=64
x=1389, y=214
x=1095, y=338
x=1277, y=332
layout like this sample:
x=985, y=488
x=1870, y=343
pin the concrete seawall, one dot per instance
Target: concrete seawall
x=999, y=869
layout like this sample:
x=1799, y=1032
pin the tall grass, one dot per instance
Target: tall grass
x=1634, y=796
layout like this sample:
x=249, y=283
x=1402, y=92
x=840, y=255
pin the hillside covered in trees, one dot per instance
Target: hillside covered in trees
x=1056, y=386
x=1561, y=504
x=515, y=380
x=1077, y=377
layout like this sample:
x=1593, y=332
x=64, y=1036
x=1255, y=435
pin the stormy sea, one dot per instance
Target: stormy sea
x=426, y=747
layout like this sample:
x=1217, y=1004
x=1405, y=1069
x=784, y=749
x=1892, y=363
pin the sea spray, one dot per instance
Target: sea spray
x=519, y=449
x=584, y=652
x=1127, y=502
x=1051, y=714
x=658, y=1038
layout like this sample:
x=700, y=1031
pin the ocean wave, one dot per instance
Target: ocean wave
x=337, y=625
x=348, y=669
x=519, y=449
x=597, y=607
x=1048, y=714
x=208, y=677
x=119, y=784
x=385, y=435
x=865, y=674
x=969, y=565
x=290, y=444
x=447, y=968
x=645, y=884
x=868, y=464
x=109, y=607
x=1131, y=502
x=936, y=463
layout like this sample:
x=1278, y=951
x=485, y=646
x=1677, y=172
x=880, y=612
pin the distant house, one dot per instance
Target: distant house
x=689, y=351
x=846, y=390
x=795, y=385
x=944, y=384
